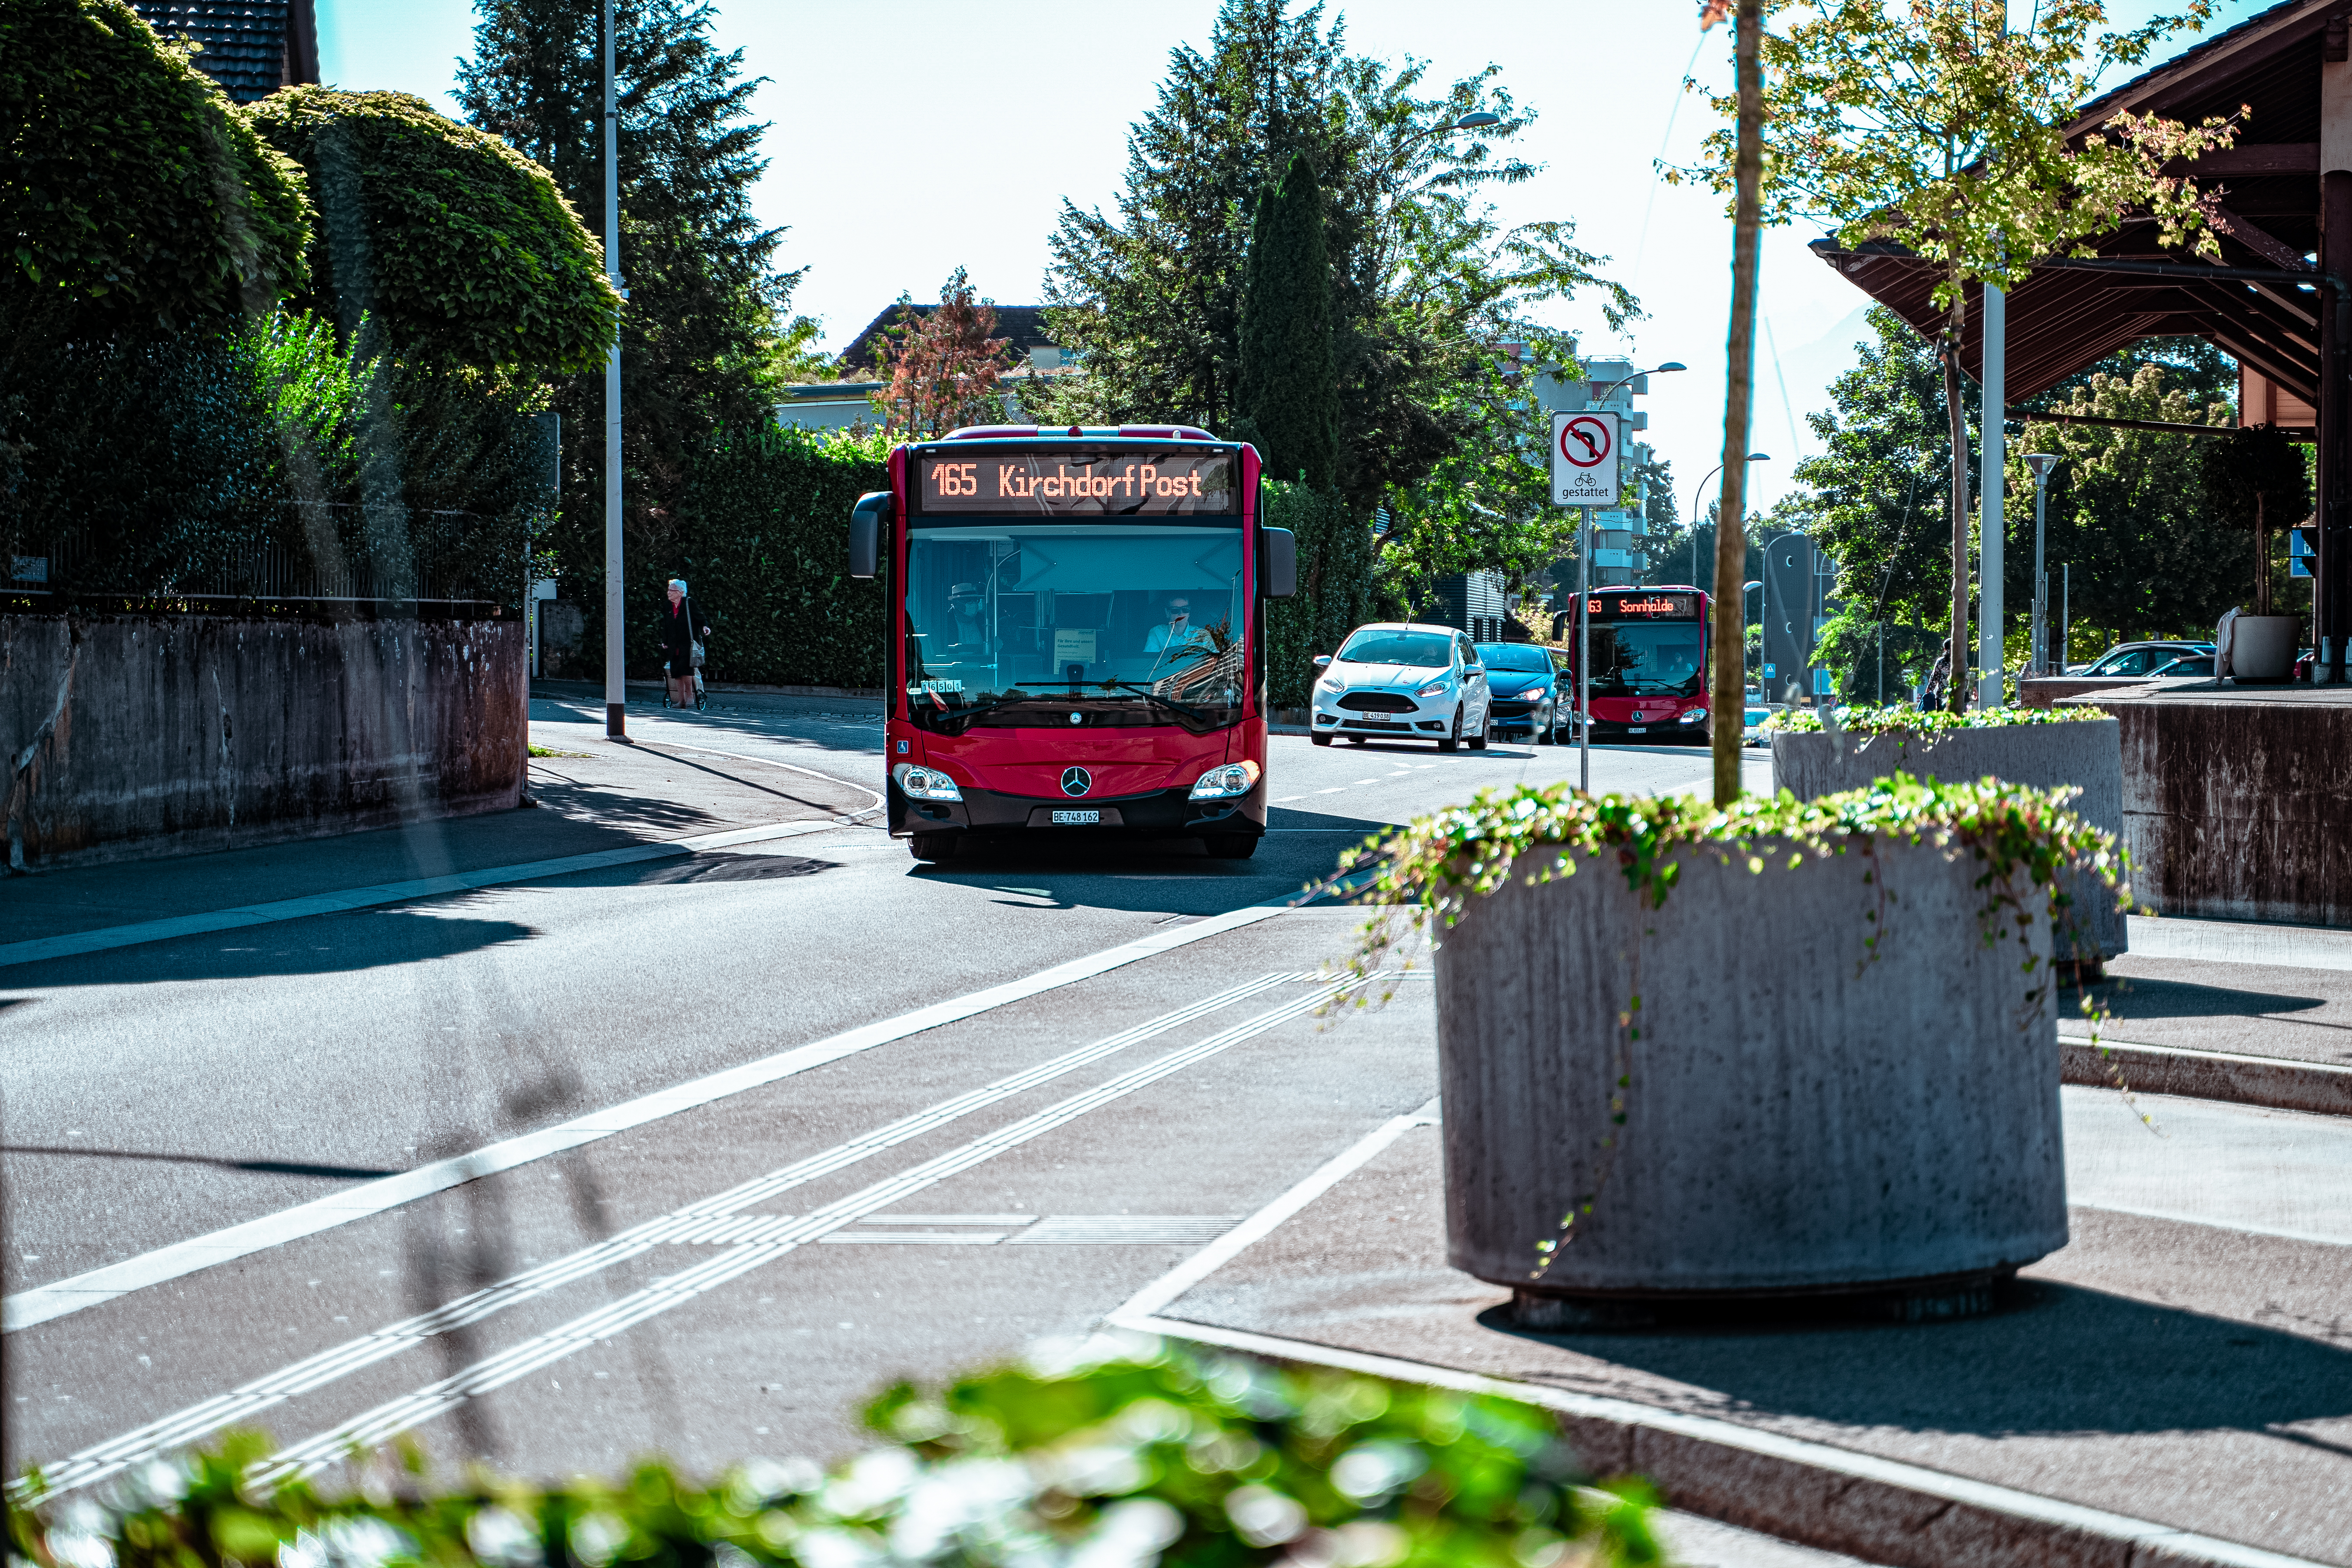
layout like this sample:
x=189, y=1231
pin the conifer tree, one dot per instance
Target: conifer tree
x=1289, y=393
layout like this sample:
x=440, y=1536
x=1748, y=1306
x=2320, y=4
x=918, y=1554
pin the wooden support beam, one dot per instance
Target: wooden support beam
x=2252, y=158
x=2278, y=253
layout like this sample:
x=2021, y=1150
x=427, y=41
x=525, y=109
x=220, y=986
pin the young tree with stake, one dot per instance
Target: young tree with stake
x=1940, y=127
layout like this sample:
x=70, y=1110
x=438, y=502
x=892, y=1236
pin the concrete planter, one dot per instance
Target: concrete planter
x=2262, y=647
x=2088, y=753
x=1797, y=1122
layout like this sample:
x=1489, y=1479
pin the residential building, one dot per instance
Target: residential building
x=252, y=47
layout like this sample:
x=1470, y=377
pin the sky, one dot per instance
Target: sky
x=905, y=142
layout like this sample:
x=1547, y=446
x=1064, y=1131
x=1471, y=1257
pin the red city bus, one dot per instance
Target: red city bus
x=1077, y=643
x=1649, y=663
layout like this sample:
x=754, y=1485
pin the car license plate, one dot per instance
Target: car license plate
x=1637, y=729
x=1078, y=818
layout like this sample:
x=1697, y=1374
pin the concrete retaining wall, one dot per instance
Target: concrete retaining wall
x=133, y=735
x=2234, y=800
x=2088, y=753
x=1796, y=1119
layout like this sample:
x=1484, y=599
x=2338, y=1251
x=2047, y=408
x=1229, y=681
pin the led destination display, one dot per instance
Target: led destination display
x=1646, y=606
x=1174, y=483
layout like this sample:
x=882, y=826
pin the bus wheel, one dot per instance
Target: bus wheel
x=1230, y=846
x=934, y=846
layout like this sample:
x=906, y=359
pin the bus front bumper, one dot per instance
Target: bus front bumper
x=1161, y=813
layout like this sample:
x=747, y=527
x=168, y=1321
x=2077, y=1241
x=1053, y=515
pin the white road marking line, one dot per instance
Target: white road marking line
x=44, y=1302
x=712, y=1217
x=918, y=1237
x=1200, y=1264
x=378, y=1426
x=106, y=938
x=947, y=1219
x=1339, y=789
x=1122, y=1229
x=1290, y=797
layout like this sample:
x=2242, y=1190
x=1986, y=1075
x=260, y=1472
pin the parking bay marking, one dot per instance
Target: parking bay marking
x=704, y=1222
x=438, y=1398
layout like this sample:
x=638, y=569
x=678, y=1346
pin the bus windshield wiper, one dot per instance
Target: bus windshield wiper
x=1186, y=709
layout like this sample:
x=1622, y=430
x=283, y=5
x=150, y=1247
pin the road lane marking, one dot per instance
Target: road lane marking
x=711, y=1219
x=44, y=1302
x=438, y=1398
x=1149, y=1300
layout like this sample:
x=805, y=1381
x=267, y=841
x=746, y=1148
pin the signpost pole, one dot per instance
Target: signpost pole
x=1584, y=654
x=1584, y=475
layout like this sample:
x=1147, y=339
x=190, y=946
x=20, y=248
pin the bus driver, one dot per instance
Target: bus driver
x=1177, y=630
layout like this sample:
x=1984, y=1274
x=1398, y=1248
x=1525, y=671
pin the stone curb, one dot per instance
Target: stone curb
x=2212, y=1075
x=1837, y=1499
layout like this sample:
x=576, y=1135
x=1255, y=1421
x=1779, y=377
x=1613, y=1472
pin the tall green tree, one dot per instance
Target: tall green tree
x=2126, y=509
x=1423, y=280
x=707, y=309
x=1289, y=395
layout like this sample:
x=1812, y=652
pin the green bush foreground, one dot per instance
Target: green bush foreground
x=1149, y=1455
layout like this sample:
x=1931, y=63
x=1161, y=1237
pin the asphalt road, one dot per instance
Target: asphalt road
x=836, y=1200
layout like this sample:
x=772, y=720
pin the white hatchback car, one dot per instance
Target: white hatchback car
x=1405, y=681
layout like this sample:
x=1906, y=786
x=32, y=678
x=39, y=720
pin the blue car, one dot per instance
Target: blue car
x=1523, y=681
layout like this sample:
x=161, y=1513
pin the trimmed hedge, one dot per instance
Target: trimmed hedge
x=133, y=194
x=1123, y=1460
x=765, y=526
x=1335, y=587
x=461, y=250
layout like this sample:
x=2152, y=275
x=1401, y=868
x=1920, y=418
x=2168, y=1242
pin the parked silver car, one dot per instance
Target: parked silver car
x=1405, y=681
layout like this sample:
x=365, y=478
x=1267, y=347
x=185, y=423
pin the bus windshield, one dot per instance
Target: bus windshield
x=1645, y=657
x=1021, y=624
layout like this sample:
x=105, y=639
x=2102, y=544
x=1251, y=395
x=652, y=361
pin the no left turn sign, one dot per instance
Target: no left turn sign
x=1584, y=459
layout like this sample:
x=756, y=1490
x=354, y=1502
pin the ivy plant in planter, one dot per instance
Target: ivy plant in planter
x=1143, y=1456
x=2046, y=748
x=1786, y=1048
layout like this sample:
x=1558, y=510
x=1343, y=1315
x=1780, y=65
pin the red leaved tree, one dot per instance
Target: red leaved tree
x=945, y=366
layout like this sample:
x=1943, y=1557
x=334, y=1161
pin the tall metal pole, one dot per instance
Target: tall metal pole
x=1990, y=488
x=617, y=694
x=1584, y=653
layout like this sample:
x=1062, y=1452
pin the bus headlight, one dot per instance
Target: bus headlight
x=1695, y=716
x=925, y=784
x=1233, y=779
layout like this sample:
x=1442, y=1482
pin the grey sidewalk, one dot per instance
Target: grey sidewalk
x=2185, y=1369
x=597, y=796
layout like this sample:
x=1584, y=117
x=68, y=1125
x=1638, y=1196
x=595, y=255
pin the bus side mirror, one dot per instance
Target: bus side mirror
x=1278, y=578
x=865, y=519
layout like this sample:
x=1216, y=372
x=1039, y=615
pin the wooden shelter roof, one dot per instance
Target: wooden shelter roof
x=2063, y=319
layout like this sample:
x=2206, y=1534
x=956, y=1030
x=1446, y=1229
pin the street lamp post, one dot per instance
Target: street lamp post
x=616, y=692
x=2041, y=463
x=1699, y=489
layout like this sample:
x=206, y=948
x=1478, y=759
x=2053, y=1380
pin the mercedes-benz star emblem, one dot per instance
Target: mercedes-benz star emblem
x=1075, y=780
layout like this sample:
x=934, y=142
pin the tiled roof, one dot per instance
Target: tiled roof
x=1024, y=324
x=252, y=47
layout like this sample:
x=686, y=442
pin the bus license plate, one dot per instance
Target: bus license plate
x=1637, y=729
x=1078, y=818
